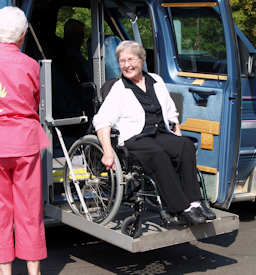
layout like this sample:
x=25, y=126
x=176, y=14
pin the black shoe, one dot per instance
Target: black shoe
x=206, y=212
x=191, y=216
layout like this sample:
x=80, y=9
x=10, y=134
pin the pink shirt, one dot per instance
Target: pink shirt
x=21, y=133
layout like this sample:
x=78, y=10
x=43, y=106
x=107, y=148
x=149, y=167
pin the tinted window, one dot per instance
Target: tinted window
x=199, y=39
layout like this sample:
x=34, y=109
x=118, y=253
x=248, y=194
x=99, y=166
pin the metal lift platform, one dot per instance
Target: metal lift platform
x=153, y=236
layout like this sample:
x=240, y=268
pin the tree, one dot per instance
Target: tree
x=244, y=14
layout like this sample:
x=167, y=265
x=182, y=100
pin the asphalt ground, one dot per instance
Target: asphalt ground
x=72, y=252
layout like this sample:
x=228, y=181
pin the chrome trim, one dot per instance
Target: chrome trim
x=248, y=124
x=247, y=152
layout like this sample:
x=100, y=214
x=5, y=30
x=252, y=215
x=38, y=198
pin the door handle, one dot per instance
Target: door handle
x=201, y=96
x=202, y=92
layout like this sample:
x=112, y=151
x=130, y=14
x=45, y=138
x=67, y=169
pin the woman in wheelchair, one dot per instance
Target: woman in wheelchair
x=140, y=108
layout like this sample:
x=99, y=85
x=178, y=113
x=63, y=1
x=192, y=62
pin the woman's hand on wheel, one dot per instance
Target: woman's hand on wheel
x=109, y=161
x=108, y=158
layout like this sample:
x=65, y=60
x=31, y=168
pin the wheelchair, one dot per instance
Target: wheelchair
x=104, y=191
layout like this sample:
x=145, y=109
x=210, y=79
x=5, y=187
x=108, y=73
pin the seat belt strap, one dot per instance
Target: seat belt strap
x=36, y=40
x=135, y=28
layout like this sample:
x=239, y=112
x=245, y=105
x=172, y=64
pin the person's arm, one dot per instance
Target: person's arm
x=108, y=156
x=34, y=75
x=176, y=129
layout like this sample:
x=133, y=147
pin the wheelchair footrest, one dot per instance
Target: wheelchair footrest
x=130, y=199
x=170, y=221
x=129, y=204
x=163, y=215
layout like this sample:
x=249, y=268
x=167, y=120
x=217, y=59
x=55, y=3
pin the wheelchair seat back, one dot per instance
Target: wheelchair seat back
x=105, y=89
x=178, y=99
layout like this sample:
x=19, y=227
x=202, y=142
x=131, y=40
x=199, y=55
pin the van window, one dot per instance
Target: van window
x=83, y=15
x=144, y=24
x=200, y=40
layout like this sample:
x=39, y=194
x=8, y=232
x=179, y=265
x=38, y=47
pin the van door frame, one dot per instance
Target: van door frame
x=235, y=97
x=98, y=46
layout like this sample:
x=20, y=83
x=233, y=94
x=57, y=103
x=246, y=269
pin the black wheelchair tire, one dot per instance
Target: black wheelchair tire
x=131, y=227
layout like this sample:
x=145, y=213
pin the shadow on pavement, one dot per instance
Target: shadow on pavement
x=73, y=252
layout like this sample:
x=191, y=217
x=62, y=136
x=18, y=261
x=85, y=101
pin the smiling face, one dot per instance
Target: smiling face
x=130, y=65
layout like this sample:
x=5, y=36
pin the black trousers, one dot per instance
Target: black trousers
x=162, y=156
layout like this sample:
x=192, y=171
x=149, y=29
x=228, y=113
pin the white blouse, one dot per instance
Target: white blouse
x=122, y=111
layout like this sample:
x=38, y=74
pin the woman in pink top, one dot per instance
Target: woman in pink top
x=21, y=139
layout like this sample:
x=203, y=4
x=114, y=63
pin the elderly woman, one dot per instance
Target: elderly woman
x=140, y=107
x=21, y=140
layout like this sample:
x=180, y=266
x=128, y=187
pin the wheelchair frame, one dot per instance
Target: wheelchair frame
x=96, y=194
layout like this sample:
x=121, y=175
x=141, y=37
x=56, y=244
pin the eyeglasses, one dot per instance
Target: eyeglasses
x=130, y=61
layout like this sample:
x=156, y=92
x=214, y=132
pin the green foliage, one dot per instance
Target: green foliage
x=145, y=28
x=84, y=16
x=244, y=13
x=201, y=32
x=81, y=14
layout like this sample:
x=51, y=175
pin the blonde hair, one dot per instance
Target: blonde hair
x=13, y=23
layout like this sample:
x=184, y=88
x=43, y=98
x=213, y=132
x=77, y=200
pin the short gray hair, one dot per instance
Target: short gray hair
x=132, y=46
x=13, y=23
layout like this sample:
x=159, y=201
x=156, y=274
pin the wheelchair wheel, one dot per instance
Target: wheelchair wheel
x=131, y=227
x=101, y=189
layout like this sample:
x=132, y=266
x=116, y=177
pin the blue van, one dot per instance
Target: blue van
x=207, y=63
x=201, y=55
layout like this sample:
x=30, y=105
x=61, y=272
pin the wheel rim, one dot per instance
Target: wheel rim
x=131, y=227
x=96, y=183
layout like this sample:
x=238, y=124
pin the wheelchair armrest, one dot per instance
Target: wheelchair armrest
x=114, y=137
x=124, y=150
x=114, y=132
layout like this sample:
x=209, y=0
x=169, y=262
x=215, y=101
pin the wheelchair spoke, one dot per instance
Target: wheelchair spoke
x=98, y=186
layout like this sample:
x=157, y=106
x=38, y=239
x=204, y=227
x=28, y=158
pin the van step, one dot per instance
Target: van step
x=246, y=196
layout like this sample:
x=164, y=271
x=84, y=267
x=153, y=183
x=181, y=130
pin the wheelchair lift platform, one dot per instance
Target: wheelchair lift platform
x=153, y=236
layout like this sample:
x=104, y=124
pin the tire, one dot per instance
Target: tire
x=130, y=228
x=101, y=189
